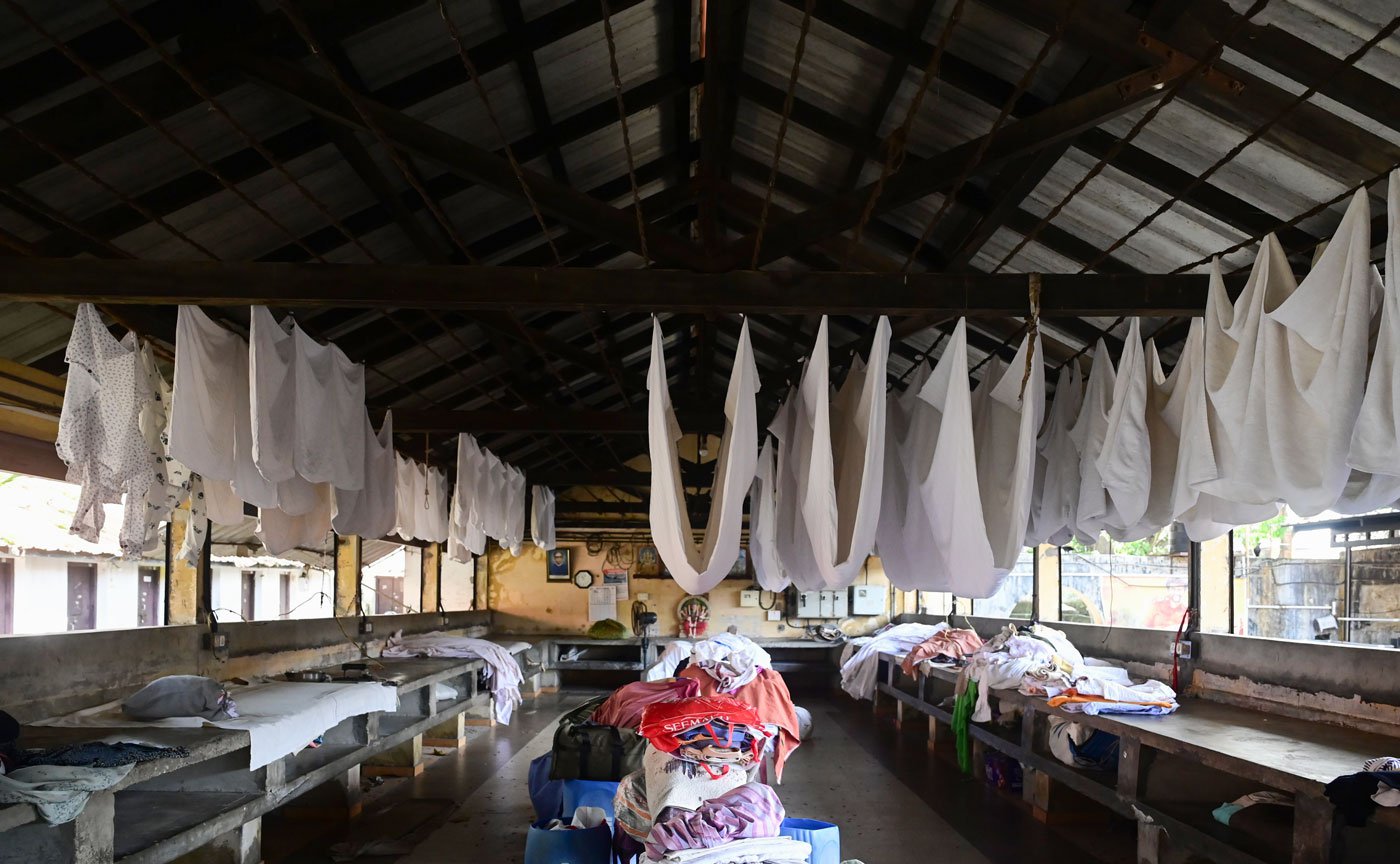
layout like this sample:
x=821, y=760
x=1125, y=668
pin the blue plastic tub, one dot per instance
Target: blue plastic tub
x=587, y=793
x=824, y=837
x=578, y=846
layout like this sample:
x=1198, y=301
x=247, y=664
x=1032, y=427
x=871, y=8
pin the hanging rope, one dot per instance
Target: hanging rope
x=1198, y=179
x=1033, y=329
x=898, y=140
x=1008, y=105
x=626, y=136
x=782, y=131
x=496, y=123
x=313, y=44
x=204, y=93
x=1117, y=147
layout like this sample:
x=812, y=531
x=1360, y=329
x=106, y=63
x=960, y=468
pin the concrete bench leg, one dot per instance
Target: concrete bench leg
x=405, y=760
x=1149, y=843
x=1314, y=830
x=337, y=800
x=94, y=829
x=242, y=845
x=452, y=733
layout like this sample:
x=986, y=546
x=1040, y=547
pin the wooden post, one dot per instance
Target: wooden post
x=1216, y=584
x=1047, y=582
x=405, y=760
x=347, y=575
x=1149, y=842
x=1314, y=830
x=1037, y=790
x=1133, y=764
x=431, y=562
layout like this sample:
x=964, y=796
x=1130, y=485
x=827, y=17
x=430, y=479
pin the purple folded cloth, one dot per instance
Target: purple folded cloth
x=751, y=810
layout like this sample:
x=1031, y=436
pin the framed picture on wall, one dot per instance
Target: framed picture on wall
x=648, y=564
x=557, y=566
x=740, y=570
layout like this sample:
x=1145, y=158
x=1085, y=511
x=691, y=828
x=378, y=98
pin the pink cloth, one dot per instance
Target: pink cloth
x=624, y=707
x=953, y=644
x=751, y=810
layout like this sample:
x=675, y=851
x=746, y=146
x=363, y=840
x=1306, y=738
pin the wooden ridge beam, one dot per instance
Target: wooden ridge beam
x=224, y=283
x=570, y=206
x=725, y=28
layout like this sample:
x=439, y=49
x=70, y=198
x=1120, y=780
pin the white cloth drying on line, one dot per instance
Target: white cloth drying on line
x=763, y=524
x=1123, y=457
x=372, y=511
x=834, y=460
x=542, y=516
x=99, y=433
x=308, y=405
x=1375, y=441
x=423, y=501
x=211, y=425
x=281, y=531
x=501, y=666
x=514, y=536
x=1007, y=411
x=858, y=671
x=1098, y=510
x=699, y=569
x=1056, y=497
x=466, y=535
x=901, y=536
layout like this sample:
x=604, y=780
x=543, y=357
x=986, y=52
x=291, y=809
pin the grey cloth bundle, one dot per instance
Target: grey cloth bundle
x=178, y=696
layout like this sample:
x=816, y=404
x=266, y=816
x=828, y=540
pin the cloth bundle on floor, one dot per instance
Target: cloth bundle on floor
x=712, y=730
x=731, y=659
x=698, y=569
x=768, y=694
x=748, y=811
x=626, y=704
x=502, y=669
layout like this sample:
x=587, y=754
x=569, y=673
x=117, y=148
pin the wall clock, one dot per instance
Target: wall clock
x=584, y=579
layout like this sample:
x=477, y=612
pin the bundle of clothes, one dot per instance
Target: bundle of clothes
x=58, y=781
x=696, y=798
x=502, y=669
x=1357, y=796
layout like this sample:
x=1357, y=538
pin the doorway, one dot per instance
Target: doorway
x=147, y=596
x=82, y=596
x=388, y=595
x=248, y=594
x=7, y=596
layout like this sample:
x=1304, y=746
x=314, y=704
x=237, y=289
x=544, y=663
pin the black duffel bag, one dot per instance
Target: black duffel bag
x=589, y=751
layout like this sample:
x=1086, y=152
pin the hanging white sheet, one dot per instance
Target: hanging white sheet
x=961, y=559
x=542, y=516
x=466, y=530
x=1056, y=498
x=408, y=497
x=901, y=535
x=763, y=550
x=211, y=426
x=1008, y=409
x=841, y=483
x=1124, y=455
x=794, y=547
x=1093, y=509
x=1316, y=344
x=513, y=534
x=281, y=532
x=698, y=569
x=308, y=400
x=372, y=511
x=1375, y=441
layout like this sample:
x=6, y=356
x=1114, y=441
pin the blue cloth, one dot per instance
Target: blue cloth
x=546, y=795
x=587, y=793
x=1099, y=752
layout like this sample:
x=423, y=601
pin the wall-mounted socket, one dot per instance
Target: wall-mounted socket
x=774, y=615
x=1184, y=649
x=218, y=644
x=366, y=627
x=442, y=619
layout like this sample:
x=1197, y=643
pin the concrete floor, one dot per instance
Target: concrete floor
x=894, y=804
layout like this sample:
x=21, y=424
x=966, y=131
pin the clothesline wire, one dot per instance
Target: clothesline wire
x=357, y=102
x=204, y=93
x=125, y=100
x=626, y=134
x=1007, y=106
x=1201, y=177
x=898, y=140
x=1176, y=87
x=475, y=77
x=788, y=98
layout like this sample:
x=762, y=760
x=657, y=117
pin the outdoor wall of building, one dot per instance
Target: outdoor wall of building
x=525, y=601
x=309, y=595
x=458, y=585
x=41, y=593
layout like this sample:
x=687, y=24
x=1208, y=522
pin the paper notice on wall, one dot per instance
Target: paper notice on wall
x=602, y=603
x=617, y=580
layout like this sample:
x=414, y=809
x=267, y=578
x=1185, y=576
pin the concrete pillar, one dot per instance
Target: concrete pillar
x=184, y=581
x=449, y=733
x=94, y=830
x=347, y=576
x=432, y=577
x=1047, y=582
x=405, y=760
x=242, y=845
x=338, y=800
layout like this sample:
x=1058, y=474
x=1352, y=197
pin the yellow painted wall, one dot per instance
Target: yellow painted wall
x=525, y=602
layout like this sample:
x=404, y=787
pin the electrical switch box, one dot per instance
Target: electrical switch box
x=774, y=615
x=808, y=604
x=867, y=600
x=838, y=604
x=824, y=599
x=748, y=598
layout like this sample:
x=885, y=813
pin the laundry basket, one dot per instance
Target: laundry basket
x=576, y=846
x=824, y=838
x=587, y=793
